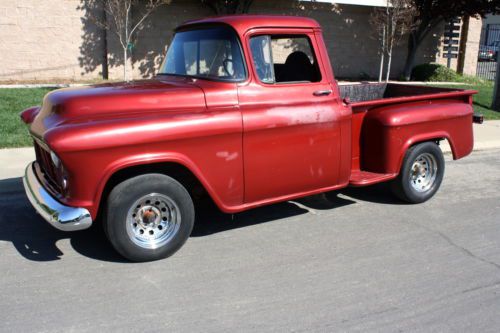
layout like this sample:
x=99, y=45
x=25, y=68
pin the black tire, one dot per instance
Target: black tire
x=123, y=199
x=411, y=185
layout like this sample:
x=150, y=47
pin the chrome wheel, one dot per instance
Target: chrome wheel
x=153, y=221
x=423, y=172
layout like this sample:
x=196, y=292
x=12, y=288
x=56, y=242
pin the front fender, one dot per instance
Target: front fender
x=29, y=115
x=156, y=158
x=209, y=144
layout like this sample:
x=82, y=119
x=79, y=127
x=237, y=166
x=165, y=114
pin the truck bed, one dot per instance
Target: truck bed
x=371, y=130
x=376, y=94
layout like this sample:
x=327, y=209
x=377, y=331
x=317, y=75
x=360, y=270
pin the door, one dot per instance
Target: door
x=291, y=140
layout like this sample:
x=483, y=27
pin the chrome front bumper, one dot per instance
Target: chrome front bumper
x=59, y=216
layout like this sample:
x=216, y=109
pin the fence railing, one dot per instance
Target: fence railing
x=488, y=52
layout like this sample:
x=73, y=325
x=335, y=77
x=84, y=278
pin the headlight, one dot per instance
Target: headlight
x=64, y=183
x=60, y=172
x=55, y=159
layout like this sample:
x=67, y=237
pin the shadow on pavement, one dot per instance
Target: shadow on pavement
x=378, y=193
x=211, y=220
x=36, y=240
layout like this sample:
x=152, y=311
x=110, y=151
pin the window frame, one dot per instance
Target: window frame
x=270, y=55
x=296, y=34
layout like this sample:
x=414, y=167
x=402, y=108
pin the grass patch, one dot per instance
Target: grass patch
x=482, y=100
x=439, y=73
x=13, y=132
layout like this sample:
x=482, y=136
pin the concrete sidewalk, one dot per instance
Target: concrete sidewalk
x=13, y=161
x=486, y=136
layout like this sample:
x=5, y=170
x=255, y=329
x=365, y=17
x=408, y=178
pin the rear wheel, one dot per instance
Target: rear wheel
x=149, y=217
x=421, y=173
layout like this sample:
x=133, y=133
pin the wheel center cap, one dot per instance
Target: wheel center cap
x=149, y=215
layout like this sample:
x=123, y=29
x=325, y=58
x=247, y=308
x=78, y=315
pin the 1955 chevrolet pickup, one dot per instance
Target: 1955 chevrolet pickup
x=244, y=108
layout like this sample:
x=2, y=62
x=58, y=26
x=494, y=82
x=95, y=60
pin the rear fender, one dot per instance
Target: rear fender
x=388, y=132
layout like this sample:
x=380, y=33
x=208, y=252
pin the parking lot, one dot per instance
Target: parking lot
x=346, y=261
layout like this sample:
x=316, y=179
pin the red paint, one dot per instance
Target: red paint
x=248, y=143
x=29, y=115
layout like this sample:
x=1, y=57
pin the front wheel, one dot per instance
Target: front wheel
x=149, y=217
x=421, y=173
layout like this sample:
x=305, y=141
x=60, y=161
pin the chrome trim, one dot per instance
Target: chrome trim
x=62, y=217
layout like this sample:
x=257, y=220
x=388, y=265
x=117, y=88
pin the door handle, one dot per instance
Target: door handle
x=322, y=92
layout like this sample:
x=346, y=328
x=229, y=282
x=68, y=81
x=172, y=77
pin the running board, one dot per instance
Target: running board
x=365, y=178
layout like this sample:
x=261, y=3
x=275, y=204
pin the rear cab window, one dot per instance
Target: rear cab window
x=284, y=59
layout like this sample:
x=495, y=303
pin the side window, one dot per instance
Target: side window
x=282, y=59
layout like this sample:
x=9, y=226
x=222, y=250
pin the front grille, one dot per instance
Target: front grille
x=49, y=171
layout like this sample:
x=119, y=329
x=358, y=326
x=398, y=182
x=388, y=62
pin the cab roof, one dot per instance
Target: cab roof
x=243, y=23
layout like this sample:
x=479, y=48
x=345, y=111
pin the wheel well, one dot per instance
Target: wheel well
x=436, y=141
x=177, y=171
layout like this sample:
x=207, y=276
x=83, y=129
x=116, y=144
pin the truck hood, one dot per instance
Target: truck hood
x=117, y=100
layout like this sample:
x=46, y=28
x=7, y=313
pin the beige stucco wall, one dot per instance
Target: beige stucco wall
x=39, y=39
x=472, y=47
x=55, y=40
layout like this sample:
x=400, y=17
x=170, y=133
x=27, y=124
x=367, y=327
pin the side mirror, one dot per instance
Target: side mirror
x=346, y=100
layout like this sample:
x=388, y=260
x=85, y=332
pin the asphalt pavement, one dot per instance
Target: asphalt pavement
x=354, y=260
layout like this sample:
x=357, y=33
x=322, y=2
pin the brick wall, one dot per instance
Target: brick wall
x=469, y=50
x=55, y=40
x=351, y=45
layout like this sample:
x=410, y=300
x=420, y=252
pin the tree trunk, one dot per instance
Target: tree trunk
x=414, y=40
x=464, y=36
x=411, y=56
x=389, y=60
x=382, y=53
x=381, y=71
x=127, y=42
x=125, y=64
x=105, y=64
x=496, y=92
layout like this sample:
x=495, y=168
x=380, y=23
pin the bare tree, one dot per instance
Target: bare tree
x=378, y=20
x=390, y=24
x=225, y=7
x=119, y=20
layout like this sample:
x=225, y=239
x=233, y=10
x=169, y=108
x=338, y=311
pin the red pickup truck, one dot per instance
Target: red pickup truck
x=244, y=108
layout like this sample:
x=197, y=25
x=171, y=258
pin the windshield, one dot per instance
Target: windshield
x=212, y=53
